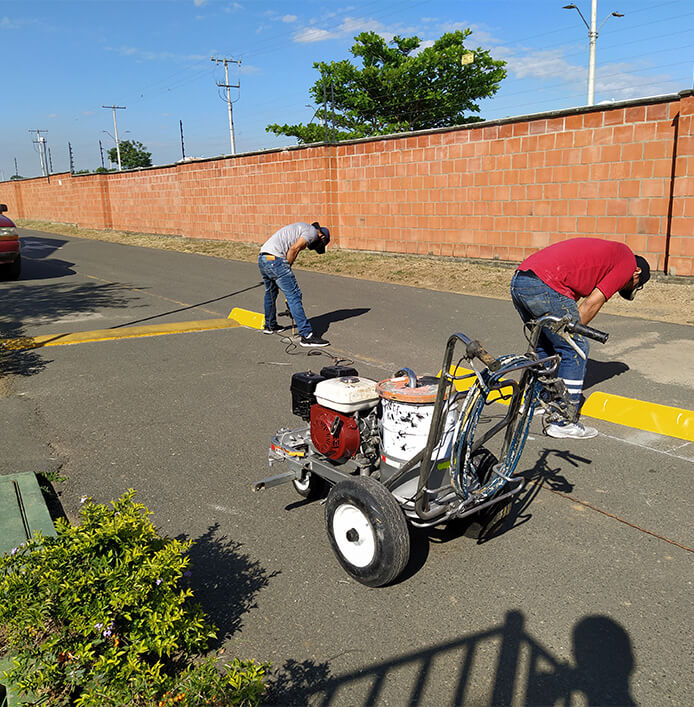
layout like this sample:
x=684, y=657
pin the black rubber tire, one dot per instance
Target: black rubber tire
x=13, y=270
x=311, y=487
x=386, y=535
x=484, y=461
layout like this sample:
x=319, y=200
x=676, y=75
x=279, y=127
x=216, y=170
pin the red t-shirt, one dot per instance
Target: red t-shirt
x=577, y=266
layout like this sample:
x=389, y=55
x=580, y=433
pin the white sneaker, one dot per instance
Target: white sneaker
x=574, y=430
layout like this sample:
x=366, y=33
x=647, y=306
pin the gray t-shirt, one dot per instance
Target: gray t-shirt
x=281, y=241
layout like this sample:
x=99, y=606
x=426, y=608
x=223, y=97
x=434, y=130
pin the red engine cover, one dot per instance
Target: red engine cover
x=334, y=434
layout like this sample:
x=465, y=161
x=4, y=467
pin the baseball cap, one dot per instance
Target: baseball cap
x=644, y=277
x=319, y=244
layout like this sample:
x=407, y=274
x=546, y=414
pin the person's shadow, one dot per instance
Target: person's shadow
x=599, y=371
x=321, y=323
x=604, y=661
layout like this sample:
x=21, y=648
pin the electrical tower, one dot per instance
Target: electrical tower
x=228, y=86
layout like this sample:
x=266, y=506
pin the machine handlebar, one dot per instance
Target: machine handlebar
x=474, y=349
x=587, y=331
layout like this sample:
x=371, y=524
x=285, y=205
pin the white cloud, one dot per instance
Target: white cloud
x=289, y=18
x=147, y=55
x=199, y=3
x=309, y=34
x=617, y=81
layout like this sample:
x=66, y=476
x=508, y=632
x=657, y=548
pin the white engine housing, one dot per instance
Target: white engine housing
x=348, y=394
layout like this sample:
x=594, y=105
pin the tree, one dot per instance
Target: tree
x=399, y=88
x=132, y=154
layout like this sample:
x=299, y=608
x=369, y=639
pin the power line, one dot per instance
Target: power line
x=228, y=86
x=115, y=129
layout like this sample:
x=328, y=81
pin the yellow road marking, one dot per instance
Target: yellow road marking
x=650, y=417
x=82, y=337
x=639, y=414
x=247, y=318
x=642, y=415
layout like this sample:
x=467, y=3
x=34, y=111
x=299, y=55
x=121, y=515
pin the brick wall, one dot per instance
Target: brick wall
x=494, y=190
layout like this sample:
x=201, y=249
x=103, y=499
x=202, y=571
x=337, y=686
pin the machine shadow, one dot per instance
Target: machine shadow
x=600, y=670
x=321, y=323
x=498, y=520
x=225, y=580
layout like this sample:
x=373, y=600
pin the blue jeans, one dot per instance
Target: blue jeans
x=278, y=276
x=532, y=299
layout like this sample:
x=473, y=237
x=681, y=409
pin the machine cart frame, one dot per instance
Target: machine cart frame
x=367, y=510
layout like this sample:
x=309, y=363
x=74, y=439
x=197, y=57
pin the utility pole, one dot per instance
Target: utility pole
x=16, y=170
x=50, y=162
x=183, y=149
x=41, y=142
x=228, y=86
x=593, y=38
x=115, y=130
x=72, y=164
x=101, y=150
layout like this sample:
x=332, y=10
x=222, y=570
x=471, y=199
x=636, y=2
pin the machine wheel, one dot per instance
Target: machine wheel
x=310, y=486
x=367, y=530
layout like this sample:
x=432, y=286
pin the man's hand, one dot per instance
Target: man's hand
x=591, y=305
x=295, y=249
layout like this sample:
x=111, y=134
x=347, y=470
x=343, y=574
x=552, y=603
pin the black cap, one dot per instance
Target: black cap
x=644, y=277
x=319, y=244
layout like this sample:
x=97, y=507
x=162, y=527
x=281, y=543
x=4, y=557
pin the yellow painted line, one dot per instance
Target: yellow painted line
x=83, y=337
x=639, y=414
x=650, y=417
x=245, y=317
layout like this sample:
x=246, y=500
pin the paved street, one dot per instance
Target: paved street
x=586, y=598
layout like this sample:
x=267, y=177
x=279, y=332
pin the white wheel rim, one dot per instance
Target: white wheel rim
x=354, y=535
x=303, y=483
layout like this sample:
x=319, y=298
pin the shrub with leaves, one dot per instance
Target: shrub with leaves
x=97, y=616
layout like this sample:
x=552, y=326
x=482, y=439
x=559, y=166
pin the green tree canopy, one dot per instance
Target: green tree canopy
x=132, y=154
x=398, y=88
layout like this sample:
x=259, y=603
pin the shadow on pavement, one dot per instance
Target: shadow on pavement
x=525, y=673
x=599, y=371
x=321, y=323
x=37, y=260
x=224, y=580
x=188, y=307
x=47, y=304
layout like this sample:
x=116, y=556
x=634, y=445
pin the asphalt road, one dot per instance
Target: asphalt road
x=585, y=598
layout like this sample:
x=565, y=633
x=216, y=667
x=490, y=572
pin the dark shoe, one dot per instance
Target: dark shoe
x=272, y=329
x=313, y=340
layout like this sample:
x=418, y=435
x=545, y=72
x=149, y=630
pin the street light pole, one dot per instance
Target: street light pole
x=593, y=37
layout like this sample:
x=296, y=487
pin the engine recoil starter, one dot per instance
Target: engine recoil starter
x=334, y=434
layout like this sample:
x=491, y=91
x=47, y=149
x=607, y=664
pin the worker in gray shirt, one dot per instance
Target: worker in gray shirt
x=277, y=255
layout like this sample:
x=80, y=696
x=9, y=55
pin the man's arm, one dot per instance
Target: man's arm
x=591, y=305
x=295, y=249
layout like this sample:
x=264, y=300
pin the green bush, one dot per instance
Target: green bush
x=97, y=616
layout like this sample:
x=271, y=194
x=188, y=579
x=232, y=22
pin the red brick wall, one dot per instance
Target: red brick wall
x=496, y=190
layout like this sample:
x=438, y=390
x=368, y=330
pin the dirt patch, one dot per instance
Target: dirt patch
x=663, y=299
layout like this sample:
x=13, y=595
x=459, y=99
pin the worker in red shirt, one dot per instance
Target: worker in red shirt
x=552, y=281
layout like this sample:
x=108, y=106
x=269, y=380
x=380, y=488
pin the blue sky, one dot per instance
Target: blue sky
x=64, y=59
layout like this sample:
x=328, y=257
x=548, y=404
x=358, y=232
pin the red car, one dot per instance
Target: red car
x=10, y=257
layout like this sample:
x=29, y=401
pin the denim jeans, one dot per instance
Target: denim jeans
x=278, y=276
x=533, y=298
